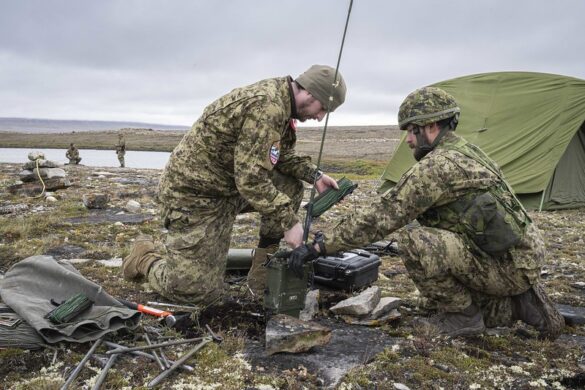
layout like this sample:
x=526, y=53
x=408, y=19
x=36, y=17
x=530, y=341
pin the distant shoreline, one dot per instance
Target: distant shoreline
x=355, y=142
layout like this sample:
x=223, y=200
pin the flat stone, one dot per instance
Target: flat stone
x=385, y=305
x=13, y=208
x=573, y=315
x=77, y=261
x=65, y=251
x=45, y=173
x=35, y=188
x=103, y=173
x=359, y=306
x=289, y=334
x=393, y=315
x=42, y=164
x=95, y=201
x=350, y=346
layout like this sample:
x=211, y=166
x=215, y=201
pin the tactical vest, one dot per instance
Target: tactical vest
x=492, y=220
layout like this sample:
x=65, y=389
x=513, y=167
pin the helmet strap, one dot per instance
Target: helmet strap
x=423, y=146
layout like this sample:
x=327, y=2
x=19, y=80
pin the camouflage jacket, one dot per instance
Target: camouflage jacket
x=232, y=148
x=440, y=178
x=72, y=153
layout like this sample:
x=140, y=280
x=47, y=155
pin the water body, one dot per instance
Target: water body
x=90, y=157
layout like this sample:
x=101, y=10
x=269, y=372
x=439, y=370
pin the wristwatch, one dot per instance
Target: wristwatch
x=315, y=176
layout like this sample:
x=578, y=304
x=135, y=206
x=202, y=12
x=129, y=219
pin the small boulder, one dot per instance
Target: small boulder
x=51, y=199
x=359, y=306
x=311, y=306
x=96, y=201
x=288, y=334
x=132, y=206
x=32, y=156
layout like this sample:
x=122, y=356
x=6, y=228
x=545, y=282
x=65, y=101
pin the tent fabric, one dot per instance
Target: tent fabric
x=528, y=123
x=30, y=285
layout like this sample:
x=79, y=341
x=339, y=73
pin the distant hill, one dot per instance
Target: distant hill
x=31, y=125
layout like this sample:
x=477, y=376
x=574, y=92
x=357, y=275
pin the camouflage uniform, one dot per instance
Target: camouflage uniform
x=73, y=155
x=446, y=266
x=121, y=150
x=239, y=156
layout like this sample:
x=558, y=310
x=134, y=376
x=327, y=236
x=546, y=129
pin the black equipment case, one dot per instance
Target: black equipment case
x=347, y=271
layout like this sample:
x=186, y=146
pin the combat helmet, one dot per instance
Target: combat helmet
x=427, y=105
x=325, y=86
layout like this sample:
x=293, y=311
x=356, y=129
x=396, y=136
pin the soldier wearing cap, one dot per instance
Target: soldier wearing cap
x=239, y=156
x=474, y=252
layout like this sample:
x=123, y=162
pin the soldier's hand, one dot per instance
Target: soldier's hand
x=326, y=182
x=299, y=257
x=294, y=235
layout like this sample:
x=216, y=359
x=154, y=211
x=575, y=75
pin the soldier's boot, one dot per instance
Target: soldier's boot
x=140, y=259
x=257, y=273
x=468, y=322
x=535, y=308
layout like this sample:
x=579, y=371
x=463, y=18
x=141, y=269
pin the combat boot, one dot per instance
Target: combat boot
x=535, y=308
x=140, y=259
x=258, y=272
x=469, y=322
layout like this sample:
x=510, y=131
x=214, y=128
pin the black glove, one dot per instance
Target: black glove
x=299, y=256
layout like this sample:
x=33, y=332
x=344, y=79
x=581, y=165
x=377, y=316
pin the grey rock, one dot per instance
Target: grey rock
x=13, y=208
x=132, y=206
x=42, y=164
x=45, y=173
x=95, y=201
x=288, y=334
x=393, y=315
x=311, y=306
x=385, y=305
x=573, y=315
x=359, y=306
x=51, y=199
x=35, y=155
x=35, y=188
x=400, y=386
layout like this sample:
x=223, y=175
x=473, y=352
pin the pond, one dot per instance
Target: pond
x=90, y=157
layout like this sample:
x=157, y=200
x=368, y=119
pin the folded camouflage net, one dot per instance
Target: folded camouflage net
x=32, y=286
x=330, y=197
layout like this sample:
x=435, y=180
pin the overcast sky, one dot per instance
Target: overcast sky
x=164, y=61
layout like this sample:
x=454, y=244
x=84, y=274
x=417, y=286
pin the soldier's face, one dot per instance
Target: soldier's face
x=309, y=108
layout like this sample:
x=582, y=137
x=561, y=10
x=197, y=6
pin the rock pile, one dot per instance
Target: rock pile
x=39, y=173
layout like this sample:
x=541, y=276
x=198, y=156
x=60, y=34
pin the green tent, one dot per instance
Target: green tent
x=531, y=124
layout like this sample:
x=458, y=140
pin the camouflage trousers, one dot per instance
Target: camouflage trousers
x=451, y=277
x=194, y=263
x=121, y=158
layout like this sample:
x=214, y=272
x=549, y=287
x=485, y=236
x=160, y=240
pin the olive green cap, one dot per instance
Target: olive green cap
x=319, y=81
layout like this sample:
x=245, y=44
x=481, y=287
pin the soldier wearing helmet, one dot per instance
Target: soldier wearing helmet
x=239, y=156
x=473, y=252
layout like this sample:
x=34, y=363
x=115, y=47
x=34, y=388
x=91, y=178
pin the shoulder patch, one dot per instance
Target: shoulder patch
x=274, y=153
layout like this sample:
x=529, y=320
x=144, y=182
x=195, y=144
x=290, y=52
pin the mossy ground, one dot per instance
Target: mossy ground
x=506, y=359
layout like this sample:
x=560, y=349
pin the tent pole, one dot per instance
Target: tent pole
x=541, y=200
